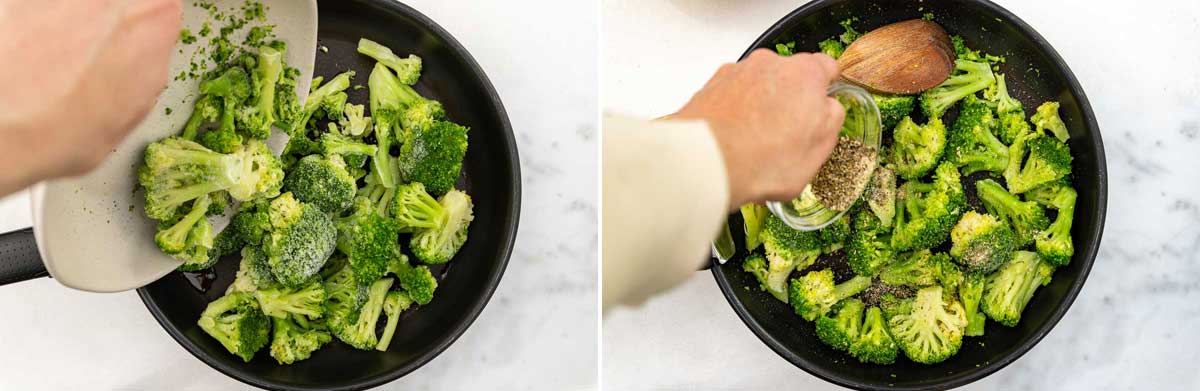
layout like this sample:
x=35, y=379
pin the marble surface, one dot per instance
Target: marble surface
x=1133, y=325
x=538, y=332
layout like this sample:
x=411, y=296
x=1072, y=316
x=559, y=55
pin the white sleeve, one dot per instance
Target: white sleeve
x=666, y=195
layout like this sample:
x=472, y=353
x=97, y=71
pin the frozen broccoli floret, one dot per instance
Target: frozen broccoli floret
x=257, y=118
x=417, y=281
x=302, y=238
x=235, y=321
x=189, y=239
x=369, y=240
x=930, y=327
x=292, y=341
x=253, y=272
x=323, y=182
x=408, y=70
x=280, y=302
x=176, y=171
x=438, y=245
x=981, y=243
x=414, y=209
x=361, y=333
x=344, y=298
x=434, y=156
x=393, y=305
x=232, y=87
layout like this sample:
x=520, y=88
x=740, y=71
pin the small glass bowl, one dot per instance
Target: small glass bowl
x=806, y=213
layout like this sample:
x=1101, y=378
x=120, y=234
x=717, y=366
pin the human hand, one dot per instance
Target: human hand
x=773, y=120
x=77, y=77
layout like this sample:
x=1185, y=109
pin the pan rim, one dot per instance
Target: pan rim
x=509, y=232
x=1090, y=253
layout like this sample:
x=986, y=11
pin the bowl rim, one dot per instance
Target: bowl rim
x=509, y=231
x=1089, y=253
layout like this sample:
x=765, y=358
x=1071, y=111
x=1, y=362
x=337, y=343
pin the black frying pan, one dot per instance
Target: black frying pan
x=1034, y=73
x=491, y=176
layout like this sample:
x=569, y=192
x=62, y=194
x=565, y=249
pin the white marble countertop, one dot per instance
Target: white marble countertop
x=538, y=332
x=1133, y=325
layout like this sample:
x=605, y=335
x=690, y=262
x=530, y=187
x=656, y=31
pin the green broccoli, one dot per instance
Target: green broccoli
x=785, y=49
x=813, y=294
x=842, y=329
x=970, y=293
x=235, y=321
x=921, y=269
x=176, y=171
x=369, y=240
x=251, y=223
x=915, y=149
x=385, y=108
x=1010, y=288
x=1046, y=118
x=932, y=329
x=292, y=342
x=344, y=299
x=302, y=238
x=870, y=245
x=756, y=265
x=881, y=196
x=331, y=90
x=417, y=281
x=408, y=70
x=961, y=51
x=206, y=109
x=434, y=156
x=232, y=87
x=753, y=218
x=438, y=244
x=1054, y=244
x=874, y=344
x=850, y=34
x=323, y=182
x=280, y=302
x=414, y=209
x=346, y=147
x=361, y=333
x=972, y=144
x=287, y=103
x=253, y=272
x=393, y=305
x=926, y=212
x=1048, y=160
x=831, y=47
x=189, y=239
x=257, y=119
x=787, y=250
x=968, y=78
x=1010, y=112
x=892, y=108
x=1027, y=218
x=981, y=243
x=354, y=121
x=835, y=235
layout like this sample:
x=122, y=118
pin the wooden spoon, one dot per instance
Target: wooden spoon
x=901, y=58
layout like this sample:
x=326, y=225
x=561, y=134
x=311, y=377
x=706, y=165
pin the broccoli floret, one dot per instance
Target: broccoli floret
x=232, y=87
x=369, y=240
x=332, y=90
x=1047, y=194
x=831, y=47
x=417, y=281
x=189, y=239
x=1048, y=160
x=438, y=244
x=961, y=51
x=260, y=115
x=408, y=70
x=280, y=302
x=753, y=218
x=206, y=109
x=331, y=108
x=972, y=145
x=393, y=305
x=915, y=149
x=850, y=34
x=414, y=209
x=756, y=265
x=302, y=238
x=336, y=144
x=361, y=333
x=253, y=272
x=881, y=196
x=287, y=104
x=932, y=329
x=842, y=329
x=292, y=342
x=1010, y=288
x=251, y=222
x=1046, y=118
x=970, y=293
x=968, y=78
x=1027, y=218
x=874, y=344
x=322, y=182
x=815, y=293
x=870, y=245
x=434, y=156
x=1054, y=244
x=354, y=122
x=785, y=49
x=787, y=250
x=835, y=235
x=920, y=269
x=344, y=298
x=894, y=107
x=981, y=243
x=235, y=321
x=1010, y=113
x=926, y=212
x=176, y=171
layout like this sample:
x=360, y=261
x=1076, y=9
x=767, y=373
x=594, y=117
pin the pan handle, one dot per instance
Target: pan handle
x=19, y=258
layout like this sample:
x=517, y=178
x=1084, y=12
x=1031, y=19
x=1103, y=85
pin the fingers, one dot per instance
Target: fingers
x=828, y=66
x=837, y=115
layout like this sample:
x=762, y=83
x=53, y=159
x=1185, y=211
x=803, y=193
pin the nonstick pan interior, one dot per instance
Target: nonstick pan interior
x=1034, y=73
